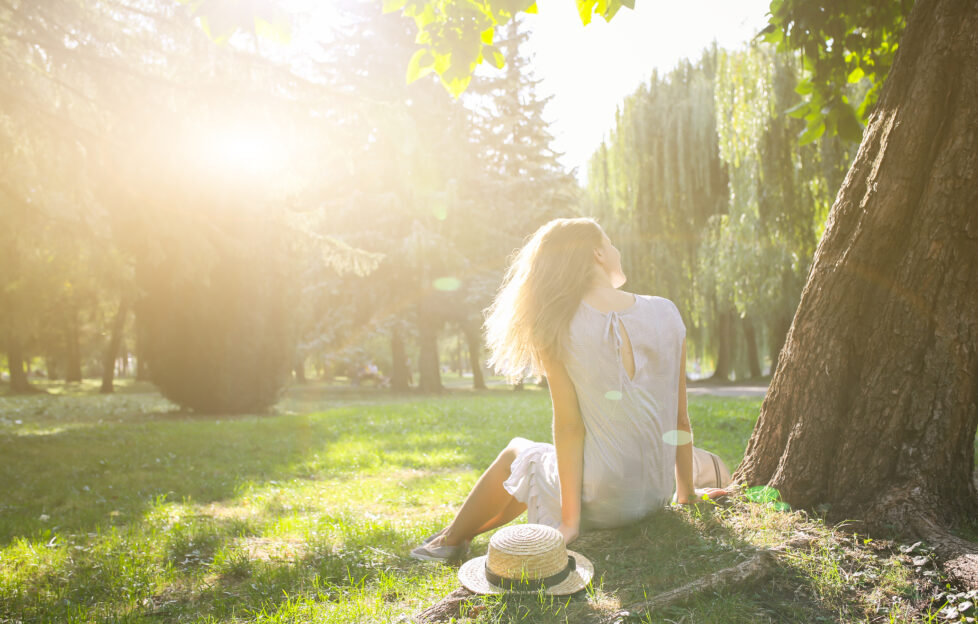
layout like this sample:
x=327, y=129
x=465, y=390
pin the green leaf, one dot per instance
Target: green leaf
x=856, y=75
x=781, y=506
x=487, y=36
x=847, y=125
x=425, y=17
x=456, y=86
x=498, y=60
x=762, y=494
x=532, y=9
x=811, y=133
x=799, y=110
x=393, y=5
x=804, y=87
x=585, y=8
x=611, y=9
x=277, y=30
x=420, y=65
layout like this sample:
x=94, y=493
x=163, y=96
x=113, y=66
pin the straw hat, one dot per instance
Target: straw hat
x=527, y=558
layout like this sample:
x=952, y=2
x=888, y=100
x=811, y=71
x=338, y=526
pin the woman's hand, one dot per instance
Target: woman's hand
x=570, y=533
x=698, y=493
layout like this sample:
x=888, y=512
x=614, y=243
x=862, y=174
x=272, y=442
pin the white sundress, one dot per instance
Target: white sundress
x=630, y=424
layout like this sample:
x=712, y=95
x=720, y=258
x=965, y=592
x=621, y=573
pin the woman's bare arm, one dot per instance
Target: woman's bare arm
x=684, y=449
x=568, y=430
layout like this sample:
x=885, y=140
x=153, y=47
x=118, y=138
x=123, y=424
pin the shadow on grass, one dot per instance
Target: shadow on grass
x=109, y=473
x=125, y=460
x=219, y=576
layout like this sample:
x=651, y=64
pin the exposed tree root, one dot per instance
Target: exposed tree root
x=445, y=609
x=754, y=569
x=916, y=516
x=958, y=557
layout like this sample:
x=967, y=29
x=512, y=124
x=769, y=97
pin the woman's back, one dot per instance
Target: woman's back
x=629, y=447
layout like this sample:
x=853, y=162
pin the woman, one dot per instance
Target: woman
x=615, y=366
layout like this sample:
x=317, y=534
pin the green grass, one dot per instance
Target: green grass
x=123, y=509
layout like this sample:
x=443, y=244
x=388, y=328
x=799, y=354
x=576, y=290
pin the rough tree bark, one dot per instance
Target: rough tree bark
x=778, y=330
x=874, y=405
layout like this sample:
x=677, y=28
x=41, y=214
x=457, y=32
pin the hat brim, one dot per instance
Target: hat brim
x=472, y=574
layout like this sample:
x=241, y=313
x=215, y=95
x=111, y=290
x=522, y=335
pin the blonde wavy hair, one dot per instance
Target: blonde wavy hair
x=546, y=280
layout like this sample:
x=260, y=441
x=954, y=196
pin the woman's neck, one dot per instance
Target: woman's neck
x=605, y=297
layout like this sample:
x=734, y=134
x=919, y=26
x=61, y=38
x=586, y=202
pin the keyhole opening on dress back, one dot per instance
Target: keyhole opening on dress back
x=627, y=357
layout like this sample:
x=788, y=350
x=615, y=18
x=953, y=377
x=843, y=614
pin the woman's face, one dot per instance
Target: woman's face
x=609, y=259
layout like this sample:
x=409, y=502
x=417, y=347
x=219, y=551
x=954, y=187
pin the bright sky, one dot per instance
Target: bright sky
x=591, y=69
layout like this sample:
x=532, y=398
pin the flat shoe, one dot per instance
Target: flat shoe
x=433, y=536
x=443, y=554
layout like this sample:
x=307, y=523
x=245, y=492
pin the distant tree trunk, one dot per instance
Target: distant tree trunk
x=51, y=367
x=142, y=371
x=474, y=341
x=724, y=347
x=458, y=354
x=15, y=359
x=299, y=367
x=874, y=406
x=399, y=370
x=73, y=372
x=112, y=350
x=430, y=371
x=751, y=340
x=124, y=358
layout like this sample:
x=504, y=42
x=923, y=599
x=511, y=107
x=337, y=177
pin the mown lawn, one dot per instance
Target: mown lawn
x=123, y=509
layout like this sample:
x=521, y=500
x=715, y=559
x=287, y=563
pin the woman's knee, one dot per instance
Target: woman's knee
x=515, y=446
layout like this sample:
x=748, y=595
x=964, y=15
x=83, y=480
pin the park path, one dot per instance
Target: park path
x=745, y=390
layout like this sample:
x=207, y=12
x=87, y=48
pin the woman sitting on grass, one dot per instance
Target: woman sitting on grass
x=615, y=365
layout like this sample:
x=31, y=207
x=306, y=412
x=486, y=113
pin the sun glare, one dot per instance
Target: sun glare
x=249, y=150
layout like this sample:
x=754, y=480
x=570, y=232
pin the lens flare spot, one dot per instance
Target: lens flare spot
x=447, y=284
x=612, y=395
x=677, y=437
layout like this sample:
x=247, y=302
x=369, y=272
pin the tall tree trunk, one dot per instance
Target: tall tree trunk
x=750, y=338
x=474, y=341
x=874, y=406
x=430, y=372
x=15, y=359
x=724, y=347
x=73, y=372
x=399, y=365
x=112, y=350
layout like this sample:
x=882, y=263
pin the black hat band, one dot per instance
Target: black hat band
x=531, y=584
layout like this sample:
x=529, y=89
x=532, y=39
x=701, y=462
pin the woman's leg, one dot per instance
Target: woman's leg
x=488, y=505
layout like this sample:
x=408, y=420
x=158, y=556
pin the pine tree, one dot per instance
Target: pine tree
x=515, y=141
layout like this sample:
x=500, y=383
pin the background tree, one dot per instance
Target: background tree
x=656, y=181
